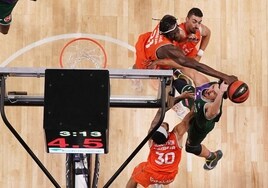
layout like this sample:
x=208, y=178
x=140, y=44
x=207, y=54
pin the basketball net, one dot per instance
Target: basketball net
x=83, y=53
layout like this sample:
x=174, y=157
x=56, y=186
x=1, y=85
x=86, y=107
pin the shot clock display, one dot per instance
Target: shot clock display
x=76, y=141
x=76, y=110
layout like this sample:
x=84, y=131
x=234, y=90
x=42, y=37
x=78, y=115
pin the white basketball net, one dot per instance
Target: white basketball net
x=83, y=54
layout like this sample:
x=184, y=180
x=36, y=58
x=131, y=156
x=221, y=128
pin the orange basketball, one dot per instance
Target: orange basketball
x=238, y=91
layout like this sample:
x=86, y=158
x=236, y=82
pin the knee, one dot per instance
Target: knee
x=193, y=149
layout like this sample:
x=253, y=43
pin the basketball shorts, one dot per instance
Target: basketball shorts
x=196, y=135
x=145, y=176
x=5, y=12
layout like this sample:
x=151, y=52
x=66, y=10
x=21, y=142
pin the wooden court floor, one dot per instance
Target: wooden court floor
x=238, y=46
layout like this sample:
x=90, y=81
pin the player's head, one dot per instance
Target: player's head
x=169, y=27
x=195, y=12
x=194, y=19
x=161, y=134
x=210, y=93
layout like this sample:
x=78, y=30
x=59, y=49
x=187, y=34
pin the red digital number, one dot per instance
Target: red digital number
x=58, y=142
x=93, y=143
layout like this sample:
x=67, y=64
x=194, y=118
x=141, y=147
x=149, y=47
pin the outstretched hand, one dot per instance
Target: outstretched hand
x=231, y=79
x=187, y=95
x=223, y=87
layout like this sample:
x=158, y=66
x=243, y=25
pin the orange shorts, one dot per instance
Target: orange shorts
x=145, y=176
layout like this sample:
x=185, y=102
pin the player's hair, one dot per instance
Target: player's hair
x=159, y=138
x=196, y=12
x=161, y=135
x=207, y=86
x=167, y=24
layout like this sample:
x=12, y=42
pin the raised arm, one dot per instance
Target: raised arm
x=181, y=128
x=205, y=33
x=213, y=108
x=197, y=77
x=171, y=102
x=170, y=51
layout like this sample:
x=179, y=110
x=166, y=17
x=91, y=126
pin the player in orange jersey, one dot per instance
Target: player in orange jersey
x=162, y=163
x=194, y=35
x=158, y=44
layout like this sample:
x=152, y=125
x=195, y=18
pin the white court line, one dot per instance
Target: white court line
x=189, y=162
x=65, y=36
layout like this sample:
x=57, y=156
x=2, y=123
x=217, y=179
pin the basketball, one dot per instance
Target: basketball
x=238, y=91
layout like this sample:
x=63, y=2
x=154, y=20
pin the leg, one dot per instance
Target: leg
x=197, y=77
x=204, y=152
x=4, y=29
x=212, y=158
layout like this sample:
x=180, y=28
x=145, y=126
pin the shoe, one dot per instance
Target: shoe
x=210, y=164
x=178, y=74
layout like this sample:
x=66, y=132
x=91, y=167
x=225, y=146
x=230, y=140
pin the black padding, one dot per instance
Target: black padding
x=76, y=99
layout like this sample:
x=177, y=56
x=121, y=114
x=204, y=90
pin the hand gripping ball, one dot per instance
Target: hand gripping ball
x=238, y=91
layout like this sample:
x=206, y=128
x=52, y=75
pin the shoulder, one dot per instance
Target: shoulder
x=204, y=30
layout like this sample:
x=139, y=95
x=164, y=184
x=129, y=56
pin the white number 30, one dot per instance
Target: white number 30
x=165, y=158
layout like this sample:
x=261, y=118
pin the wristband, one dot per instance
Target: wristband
x=200, y=52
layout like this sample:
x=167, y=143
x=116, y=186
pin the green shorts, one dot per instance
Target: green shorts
x=196, y=134
x=5, y=12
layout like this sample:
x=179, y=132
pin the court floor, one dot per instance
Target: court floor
x=238, y=46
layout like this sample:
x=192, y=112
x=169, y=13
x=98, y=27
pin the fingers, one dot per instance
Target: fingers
x=223, y=86
x=187, y=94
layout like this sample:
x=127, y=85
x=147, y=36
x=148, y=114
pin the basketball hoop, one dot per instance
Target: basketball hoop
x=83, y=53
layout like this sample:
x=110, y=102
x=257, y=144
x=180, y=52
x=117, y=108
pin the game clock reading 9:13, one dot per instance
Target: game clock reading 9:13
x=76, y=141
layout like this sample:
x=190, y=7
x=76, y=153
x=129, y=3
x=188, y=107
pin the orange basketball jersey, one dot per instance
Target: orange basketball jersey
x=188, y=45
x=146, y=48
x=165, y=157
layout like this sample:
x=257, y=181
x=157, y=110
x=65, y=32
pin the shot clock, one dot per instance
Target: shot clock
x=76, y=141
x=76, y=110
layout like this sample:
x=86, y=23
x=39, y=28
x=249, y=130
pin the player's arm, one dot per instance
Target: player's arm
x=171, y=102
x=183, y=126
x=156, y=118
x=174, y=100
x=197, y=77
x=212, y=109
x=154, y=123
x=164, y=62
x=205, y=33
x=170, y=51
